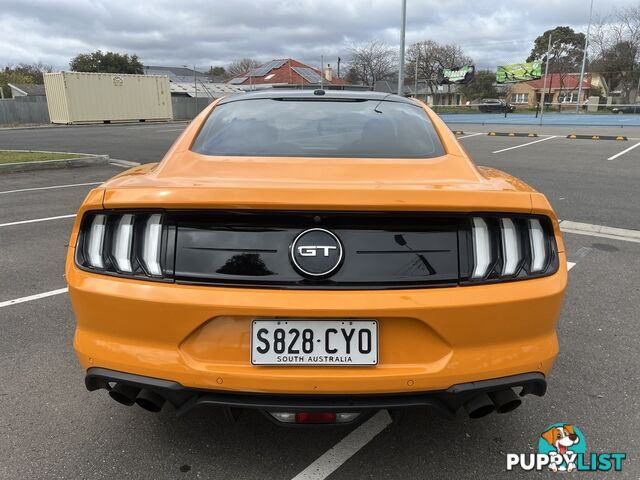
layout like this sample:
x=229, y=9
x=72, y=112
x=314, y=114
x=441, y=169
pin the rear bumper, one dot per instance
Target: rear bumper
x=429, y=339
x=445, y=402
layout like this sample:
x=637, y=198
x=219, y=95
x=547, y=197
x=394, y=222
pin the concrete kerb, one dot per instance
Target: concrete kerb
x=83, y=160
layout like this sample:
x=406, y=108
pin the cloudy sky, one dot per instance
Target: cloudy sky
x=214, y=32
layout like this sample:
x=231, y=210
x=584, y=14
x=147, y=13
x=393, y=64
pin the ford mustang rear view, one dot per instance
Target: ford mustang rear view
x=318, y=256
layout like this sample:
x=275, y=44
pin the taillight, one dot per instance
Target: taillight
x=508, y=248
x=123, y=240
x=130, y=244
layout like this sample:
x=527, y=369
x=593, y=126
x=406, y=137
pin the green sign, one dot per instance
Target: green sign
x=458, y=75
x=517, y=72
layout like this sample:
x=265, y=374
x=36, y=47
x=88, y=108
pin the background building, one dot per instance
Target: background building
x=287, y=72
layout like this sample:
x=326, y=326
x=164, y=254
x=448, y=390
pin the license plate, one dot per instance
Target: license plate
x=314, y=342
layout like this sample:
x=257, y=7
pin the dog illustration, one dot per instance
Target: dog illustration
x=561, y=438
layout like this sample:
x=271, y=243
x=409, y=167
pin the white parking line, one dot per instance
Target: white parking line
x=526, y=144
x=52, y=187
x=470, y=135
x=331, y=460
x=602, y=231
x=570, y=265
x=34, y=220
x=33, y=297
x=623, y=152
x=170, y=130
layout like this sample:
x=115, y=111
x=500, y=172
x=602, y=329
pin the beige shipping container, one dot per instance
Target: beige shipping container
x=78, y=97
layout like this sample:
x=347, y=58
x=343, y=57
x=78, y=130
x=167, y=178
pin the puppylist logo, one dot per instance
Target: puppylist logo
x=563, y=448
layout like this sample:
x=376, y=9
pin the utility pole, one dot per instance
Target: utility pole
x=195, y=86
x=402, y=35
x=546, y=72
x=321, y=72
x=338, y=67
x=415, y=80
x=584, y=59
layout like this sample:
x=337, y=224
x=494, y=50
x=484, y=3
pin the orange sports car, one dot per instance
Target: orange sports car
x=317, y=255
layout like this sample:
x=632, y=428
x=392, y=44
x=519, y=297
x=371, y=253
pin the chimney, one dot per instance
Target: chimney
x=328, y=73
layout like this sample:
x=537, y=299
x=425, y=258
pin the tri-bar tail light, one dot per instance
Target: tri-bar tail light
x=209, y=247
x=502, y=248
x=129, y=244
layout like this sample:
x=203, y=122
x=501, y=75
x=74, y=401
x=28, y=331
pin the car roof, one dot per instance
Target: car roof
x=309, y=95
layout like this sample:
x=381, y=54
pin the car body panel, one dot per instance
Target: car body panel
x=433, y=338
x=430, y=338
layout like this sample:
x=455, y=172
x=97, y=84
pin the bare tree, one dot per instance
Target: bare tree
x=615, y=48
x=241, y=66
x=371, y=62
x=430, y=57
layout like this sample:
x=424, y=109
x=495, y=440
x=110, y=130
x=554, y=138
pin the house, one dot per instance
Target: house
x=287, y=72
x=26, y=90
x=561, y=88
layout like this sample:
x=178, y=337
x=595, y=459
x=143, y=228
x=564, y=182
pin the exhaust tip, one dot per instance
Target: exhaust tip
x=150, y=401
x=124, y=394
x=505, y=400
x=479, y=406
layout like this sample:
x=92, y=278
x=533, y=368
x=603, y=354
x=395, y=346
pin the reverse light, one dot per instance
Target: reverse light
x=96, y=241
x=123, y=238
x=151, y=245
x=315, y=417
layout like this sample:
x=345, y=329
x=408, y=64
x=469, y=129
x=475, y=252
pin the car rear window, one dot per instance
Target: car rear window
x=319, y=128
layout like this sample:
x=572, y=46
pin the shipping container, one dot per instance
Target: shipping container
x=79, y=97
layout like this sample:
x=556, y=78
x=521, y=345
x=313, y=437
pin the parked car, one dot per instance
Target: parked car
x=317, y=256
x=633, y=108
x=495, y=105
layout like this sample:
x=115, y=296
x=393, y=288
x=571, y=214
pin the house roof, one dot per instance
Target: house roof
x=175, y=74
x=205, y=89
x=565, y=81
x=28, y=89
x=285, y=71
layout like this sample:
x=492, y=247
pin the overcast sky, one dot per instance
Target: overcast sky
x=214, y=32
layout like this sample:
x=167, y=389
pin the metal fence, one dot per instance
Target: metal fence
x=23, y=110
x=186, y=108
x=33, y=110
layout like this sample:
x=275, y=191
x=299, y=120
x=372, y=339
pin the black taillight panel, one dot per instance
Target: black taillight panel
x=253, y=248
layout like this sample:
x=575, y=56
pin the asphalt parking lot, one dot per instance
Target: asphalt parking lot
x=51, y=427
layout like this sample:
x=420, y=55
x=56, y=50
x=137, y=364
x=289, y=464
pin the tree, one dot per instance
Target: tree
x=565, y=54
x=482, y=86
x=371, y=62
x=30, y=73
x=241, y=66
x=615, y=46
x=430, y=57
x=109, y=62
x=216, y=73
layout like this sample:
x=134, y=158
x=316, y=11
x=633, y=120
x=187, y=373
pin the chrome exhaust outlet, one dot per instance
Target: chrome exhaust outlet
x=150, y=401
x=124, y=394
x=479, y=406
x=505, y=400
